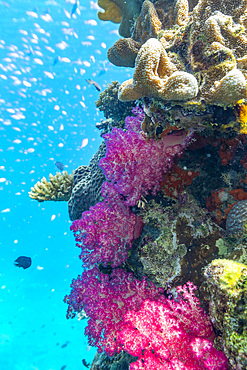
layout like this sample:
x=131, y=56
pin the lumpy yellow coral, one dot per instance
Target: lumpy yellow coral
x=243, y=118
x=59, y=188
x=112, y=11
x=156, y=76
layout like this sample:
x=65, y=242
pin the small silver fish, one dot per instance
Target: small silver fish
x=59, y=165
x=92, y=82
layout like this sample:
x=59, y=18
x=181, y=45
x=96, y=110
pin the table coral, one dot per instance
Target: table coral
x=227, y=282
x=59, y=188
x=157, y=76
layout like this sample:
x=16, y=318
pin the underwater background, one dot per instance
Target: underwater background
x=47, y=115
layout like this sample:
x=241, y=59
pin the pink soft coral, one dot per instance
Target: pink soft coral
x=135, y=165
x=105, y=233
x=172, y=335
x=105, y=300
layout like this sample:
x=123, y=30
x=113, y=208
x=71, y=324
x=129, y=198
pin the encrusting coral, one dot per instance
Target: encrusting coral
x=87, y=186
x=59, y=188
x=227, y=282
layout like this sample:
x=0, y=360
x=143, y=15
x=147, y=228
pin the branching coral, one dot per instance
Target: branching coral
x=59, y=188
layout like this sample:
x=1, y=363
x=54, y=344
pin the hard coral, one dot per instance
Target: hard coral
x=128, y=9
x=176, y=244
x=123, y=53
x=237, y=219
x=171, y=335
x=59, y=188
x=156, y=76
x=227, y=282
x=210, y=44
x=112, y=11
x=87, y=186
x=111, y=106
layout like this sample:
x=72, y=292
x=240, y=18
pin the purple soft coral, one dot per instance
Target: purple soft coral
x=105, y=300
x=172, y=335
x=135, y=165
x=105, y=233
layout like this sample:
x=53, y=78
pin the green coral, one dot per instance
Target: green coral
x=59, y=188
x=227, y=282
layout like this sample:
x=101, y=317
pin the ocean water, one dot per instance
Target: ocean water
x=47, y=111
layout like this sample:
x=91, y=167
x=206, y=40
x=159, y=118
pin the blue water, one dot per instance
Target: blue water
x=46, y=110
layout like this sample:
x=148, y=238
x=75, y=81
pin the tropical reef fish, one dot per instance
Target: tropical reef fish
x=59, y=165
x=75, y=6
x=86, y=364
x=96, y=85
x=23, y=262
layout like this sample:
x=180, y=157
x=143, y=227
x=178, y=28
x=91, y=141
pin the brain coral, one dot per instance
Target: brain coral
x=208, y=46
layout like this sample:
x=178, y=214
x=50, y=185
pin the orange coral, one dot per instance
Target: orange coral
x=176, y=179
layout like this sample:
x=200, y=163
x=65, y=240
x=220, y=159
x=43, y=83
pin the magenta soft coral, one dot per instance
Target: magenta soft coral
x=171, y=335
x=135, y=165
x=105, y=233
x=105, y=300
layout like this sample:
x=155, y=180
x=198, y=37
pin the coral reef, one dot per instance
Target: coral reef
x=59, y=188
x=105, y=299
x=87, y=186
x=207, y=46
x=109, y=103
x=105, y=233
x=156, y=76
x=236, y=222
x=135, y=166
x=122, y=11
x=178, y=241
x=172, y=335
x=227, y=283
